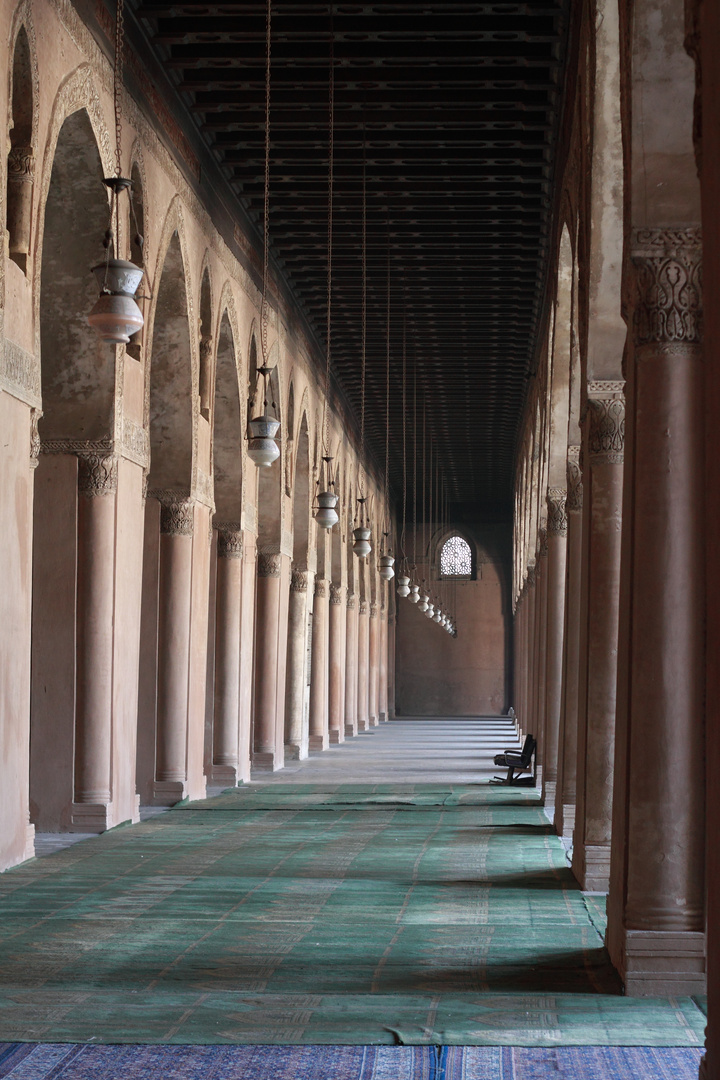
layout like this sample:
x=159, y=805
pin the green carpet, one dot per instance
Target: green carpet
x=308, y=914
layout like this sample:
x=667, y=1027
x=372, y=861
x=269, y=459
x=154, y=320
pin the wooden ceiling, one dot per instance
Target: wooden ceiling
x=453, y=111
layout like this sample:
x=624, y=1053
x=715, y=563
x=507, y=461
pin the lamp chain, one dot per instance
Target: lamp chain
x=331, y=179
x=264, y=317
x=363, y=313
x=404, y=441
x=387, y=379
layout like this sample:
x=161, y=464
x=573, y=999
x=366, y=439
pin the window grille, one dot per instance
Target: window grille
x=456, y=558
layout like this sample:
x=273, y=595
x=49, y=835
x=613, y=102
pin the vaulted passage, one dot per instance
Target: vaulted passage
x=316, y=911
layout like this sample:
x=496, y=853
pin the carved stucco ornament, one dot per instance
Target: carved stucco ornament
x=176, y=513
x=574, y=500
x=299, y=580
x=320, y=587
x=97, y=474
x=363, y=609
x=351, y=601
x=230, y=540
x=604, y=414
x=35, y=442
x=268, y=564
x=557, y=516
x=336, y=594
x=668, y=286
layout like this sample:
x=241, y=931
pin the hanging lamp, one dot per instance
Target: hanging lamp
x=327, y=515
x=115, y=315
x=263, y=449
x=386, y=564
x=403, y=585
x=387, y=560
x=363, y=532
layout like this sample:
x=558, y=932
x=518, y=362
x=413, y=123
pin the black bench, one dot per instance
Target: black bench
x=517, y=762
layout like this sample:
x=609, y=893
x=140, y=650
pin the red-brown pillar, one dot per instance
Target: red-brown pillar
x=567, y=750
x=351, y=662
x=373, y=667
x=555, y=633
x=336, y=681
x=296, y=735
x=319, y=736
x=603, y=481
x=540, y=664
x=363, y=692
x=266, y=752
x=656, y=908
x=226, y=713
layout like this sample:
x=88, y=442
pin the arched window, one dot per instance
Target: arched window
x=455, y=558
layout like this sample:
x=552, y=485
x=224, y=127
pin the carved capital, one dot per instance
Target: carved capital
x=557, y=516
x=35, y=417
x=668, y=286
x=542, y=542
x=321, y=587
x=230, y=540
x=176, y=513
x=268, y=564
x=530, y=579
x=373, y=611
x=299, y=580
x=21, y=165
x=573, y=503
x=605, y=416
x=97, y=474
x=336, y=594
x=351, y=601
x=363, y=609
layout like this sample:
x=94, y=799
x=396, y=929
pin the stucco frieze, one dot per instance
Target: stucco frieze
x=230, y=540
x=97, y=474
x=574, y=500
x=177, y=515
x=668, y=286
x=557, y=515
x=268, y=564
x=20, y=373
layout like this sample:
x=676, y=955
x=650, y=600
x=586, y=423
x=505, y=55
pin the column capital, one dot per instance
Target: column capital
x=336, y=594
x=542, y=548
x=97, y=474
x=176, y=512
x=35, y=442
x=321, y=586
x=530, y=579
x=557, y=515
x=230, y=540
x=351, y=598
x=604, y=414
x=21, y=165
x=298, y=580
x=268, y=564
x=373, y=611
x=574, y=500
x=667, y=307
x=363, y=609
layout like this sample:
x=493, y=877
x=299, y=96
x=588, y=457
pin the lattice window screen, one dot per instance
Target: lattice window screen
x=455, y=558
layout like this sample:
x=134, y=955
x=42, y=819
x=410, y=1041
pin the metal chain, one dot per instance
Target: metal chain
x=331, y=181
x=363, y=314
x=415, y=464
x=404, y=443
x=117, y=81
x=264, y=315
x=387, y=378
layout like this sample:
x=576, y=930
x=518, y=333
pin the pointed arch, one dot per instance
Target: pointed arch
x=228, y=429
x=206, y=344
x=22, y=137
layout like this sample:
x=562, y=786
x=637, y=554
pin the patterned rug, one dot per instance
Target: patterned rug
x=302, y=914
x=71, y=1062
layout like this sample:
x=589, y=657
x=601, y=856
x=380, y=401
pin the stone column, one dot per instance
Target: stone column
x=351, y=661
x=555, y=632
x=319, y=734
x=174, y=607
x=391, y=636
x=604, y=432
x=337, y=630
x=267, y=657
x=97, y=486
x=373, y=667
x=383, y=673
x=363, y=693
x=21, y=172
x=567, y=750
x=226, y=708
x=541, y=593
x=657, y=898
x=530, y=596
x=296, y=739
x=247, y=649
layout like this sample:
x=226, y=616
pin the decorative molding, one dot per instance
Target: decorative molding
x=363, y=609
x=557, y=516
x=605, y=416
x=336, y=594
x=20, y=374
x=668, y=286
x=530, y=579
x=35, y=442
x=97, y=474
x=176, y=512
x=574, y=500
x=321, y=587
x=77, y=446
x=135, y=443
x=351, y=598
x=230, y=540
x=373, y=611
x=268, y=564
x=299, y=580
x=542, y=543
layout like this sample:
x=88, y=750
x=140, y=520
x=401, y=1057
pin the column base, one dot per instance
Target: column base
x=168, y=792
x=383, y=718
x=295, y=752
x=29, y=842
x=336, y=736
x=374, y=721
x=319, y=742
x=565, y=820
x=591, y=866
x=363, y=725
x=663, y=963
x=703, y=1073
x=549, y=793
x=350, y=731
x=91, y=817
x=266, y=761
x=229, y=775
